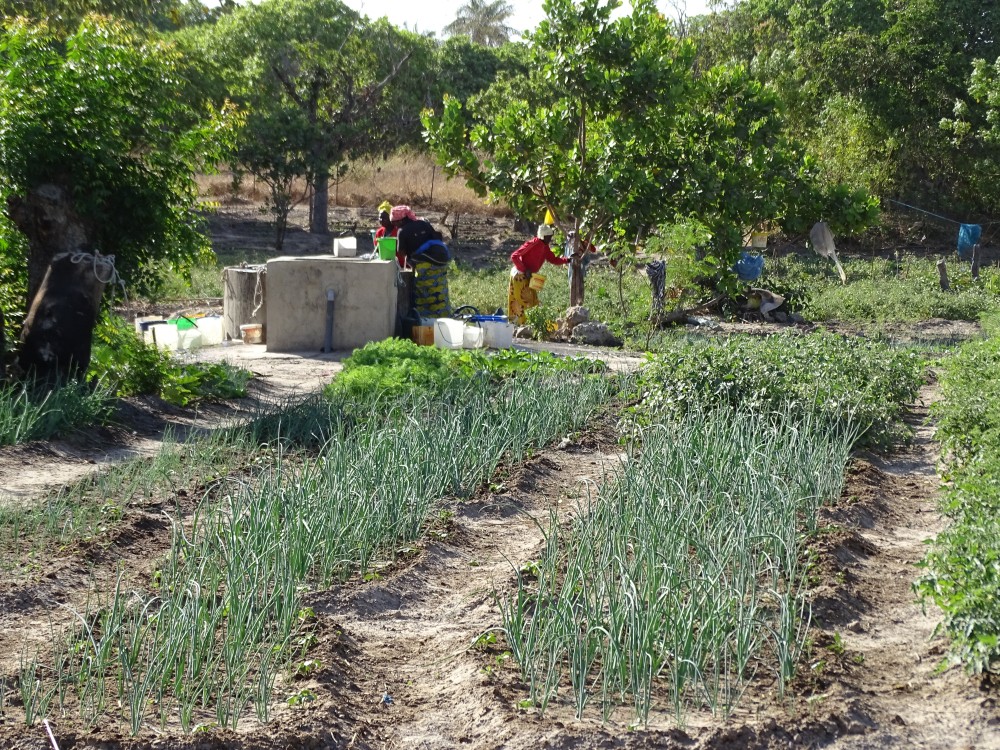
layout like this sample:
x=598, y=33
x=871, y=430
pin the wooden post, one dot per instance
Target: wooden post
x=976, y=255
x=942, y=268
x=244, y=298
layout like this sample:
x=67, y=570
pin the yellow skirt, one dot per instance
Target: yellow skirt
x=520, y=296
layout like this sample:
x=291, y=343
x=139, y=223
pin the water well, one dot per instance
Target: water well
x=364, y=307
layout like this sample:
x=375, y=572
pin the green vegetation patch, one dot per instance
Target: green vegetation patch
x=394, y=367
x=128, y=366
x=29, y=411
x=221, y=620
x=963, y=568
x=683, y=574
x=682, y=577
x=882, y=290
x=861, y=384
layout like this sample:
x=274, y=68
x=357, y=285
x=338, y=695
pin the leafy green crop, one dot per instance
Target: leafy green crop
x=963, y=569
x=396, y=366
x=128, y=366
x=859, y=383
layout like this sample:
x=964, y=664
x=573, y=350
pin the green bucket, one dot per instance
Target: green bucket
x=387, y=248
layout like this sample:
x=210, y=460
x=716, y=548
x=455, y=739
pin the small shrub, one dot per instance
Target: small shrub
x=130, y=367
x=859, y=383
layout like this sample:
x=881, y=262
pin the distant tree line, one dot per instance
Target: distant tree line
x=776, y=112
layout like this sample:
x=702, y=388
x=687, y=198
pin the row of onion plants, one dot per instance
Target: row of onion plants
x=681, y=577
x=213, y=634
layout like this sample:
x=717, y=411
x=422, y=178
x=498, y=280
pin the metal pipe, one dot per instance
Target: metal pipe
x=328, y=339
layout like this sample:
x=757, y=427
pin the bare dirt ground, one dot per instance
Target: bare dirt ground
x=871, y=678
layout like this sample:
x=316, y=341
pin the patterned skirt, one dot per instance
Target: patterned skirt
x=430, y=289
x=520, y=296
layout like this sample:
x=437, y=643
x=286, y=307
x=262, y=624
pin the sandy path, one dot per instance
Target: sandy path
x=897, y=682
x=416, y=630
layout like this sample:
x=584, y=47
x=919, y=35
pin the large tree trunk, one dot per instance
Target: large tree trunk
x=318, y=222
x=58, y=332
x=64, y=287
x=48, y=220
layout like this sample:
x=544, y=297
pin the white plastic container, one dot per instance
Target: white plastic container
x=189, y=338
x=473, y=338
x=448, y=333
x=164, y=335
x=497, y=335
x=211, y=330
x=345, y=247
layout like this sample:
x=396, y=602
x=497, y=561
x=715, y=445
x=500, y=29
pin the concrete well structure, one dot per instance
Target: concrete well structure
x=364, y=307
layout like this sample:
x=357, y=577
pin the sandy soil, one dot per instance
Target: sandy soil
x=871, y=679
x=410, y=634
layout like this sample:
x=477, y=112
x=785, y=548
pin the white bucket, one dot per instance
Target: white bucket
x=164, y=335
x=448, y=333
x=497, y=335
x=473, y=338
x=345, y=247
x=211, y=330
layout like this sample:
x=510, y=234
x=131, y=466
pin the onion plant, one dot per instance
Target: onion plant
x=33, y=411
x=683, y=571
x=213, y=634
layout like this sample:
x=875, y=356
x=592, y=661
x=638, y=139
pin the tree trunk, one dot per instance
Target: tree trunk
x=318, y=221
x=58, y=332
x=976, y=255
x=576, y=286
x=48, y=220
x=64, y=288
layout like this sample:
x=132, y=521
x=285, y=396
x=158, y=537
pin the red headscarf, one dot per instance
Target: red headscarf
x=399, y=213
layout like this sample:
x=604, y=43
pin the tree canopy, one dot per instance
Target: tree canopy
x=104, y=115
x=615, y=129
x=866, y=84
x=312, y=77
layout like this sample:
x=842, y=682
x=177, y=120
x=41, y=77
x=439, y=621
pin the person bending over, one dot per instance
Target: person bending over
x=423, y=250
x=528, y=259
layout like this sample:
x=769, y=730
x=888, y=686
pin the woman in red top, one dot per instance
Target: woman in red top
x=528, y=259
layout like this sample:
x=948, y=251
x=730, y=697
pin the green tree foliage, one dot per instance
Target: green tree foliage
x=974, y=127
x=615, y=129
x=483, y=22
x=313, y=77
x=865, y=85
x=67, y=14
x=103, y=114
x=465, y=68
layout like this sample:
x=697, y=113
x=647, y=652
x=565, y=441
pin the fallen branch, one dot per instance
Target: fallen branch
x=676, y=316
